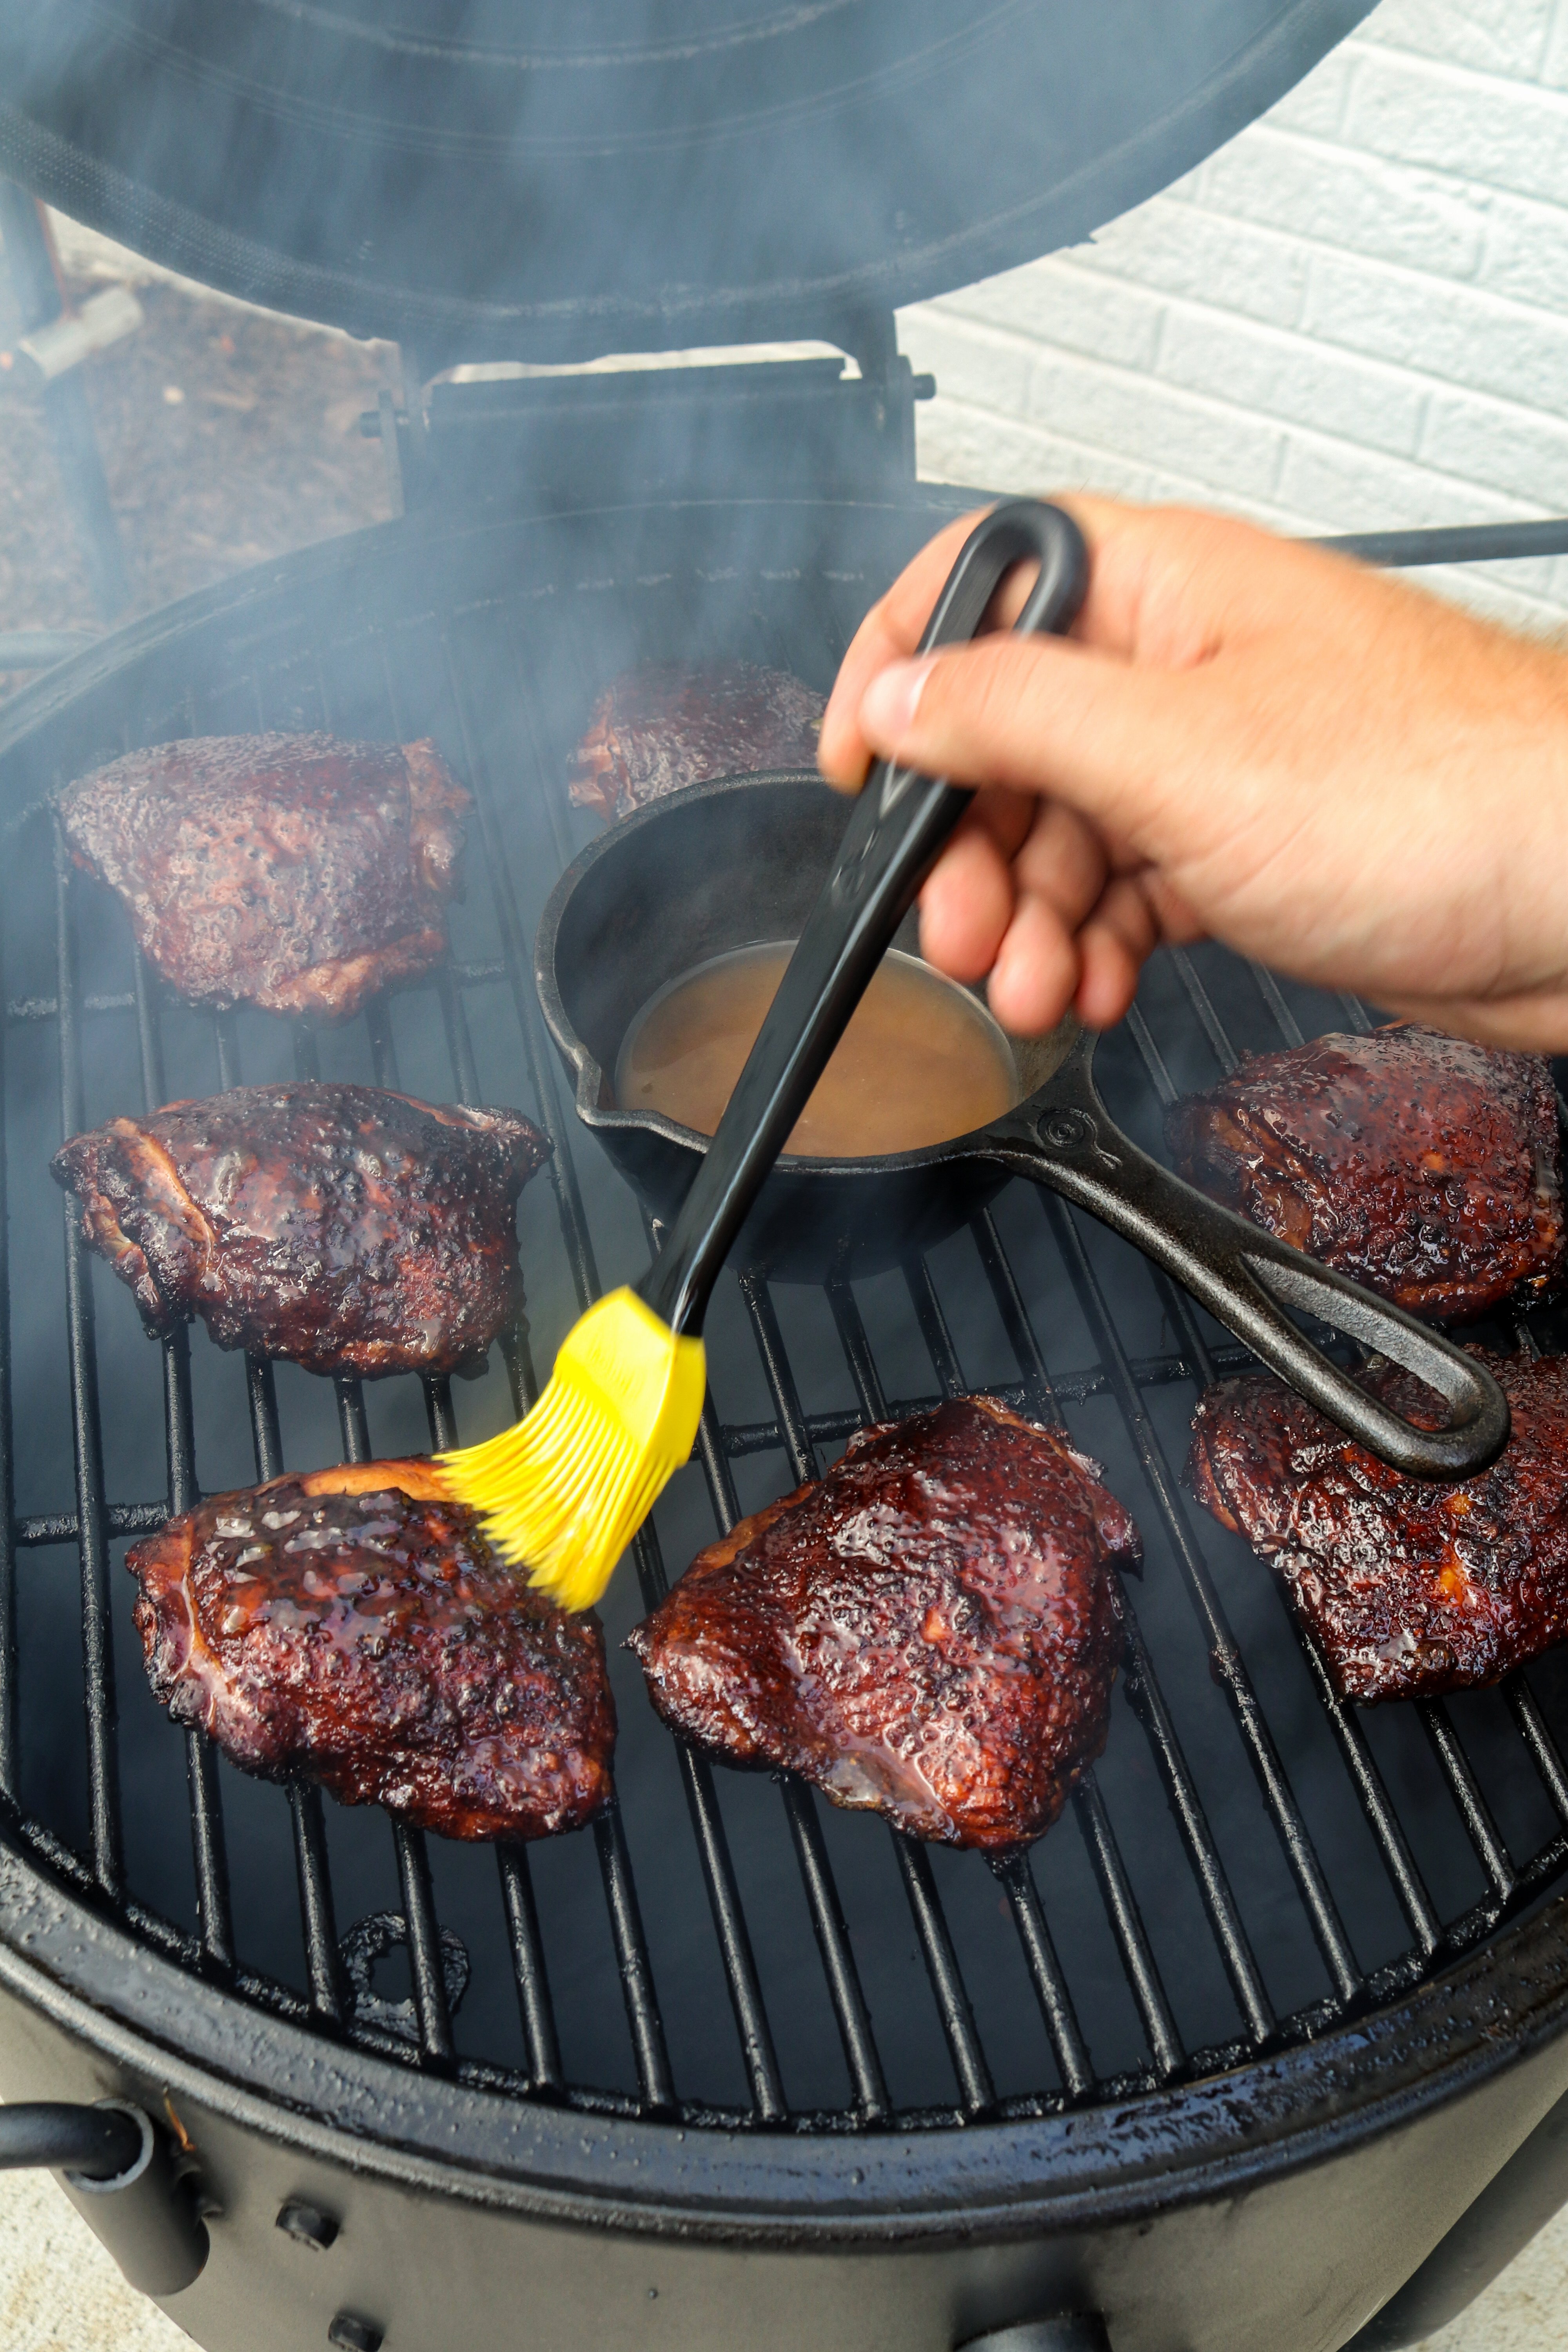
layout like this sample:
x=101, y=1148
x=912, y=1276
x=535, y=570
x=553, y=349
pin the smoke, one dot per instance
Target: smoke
x=552, y=184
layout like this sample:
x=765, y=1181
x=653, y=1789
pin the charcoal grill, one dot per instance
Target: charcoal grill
x=1283, y=1996
x=1219, y=2061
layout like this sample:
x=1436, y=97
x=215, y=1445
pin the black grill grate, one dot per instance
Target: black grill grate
x=1165, y=1915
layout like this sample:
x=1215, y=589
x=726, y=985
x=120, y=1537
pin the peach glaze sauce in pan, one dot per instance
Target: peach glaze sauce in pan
x=920, y=1061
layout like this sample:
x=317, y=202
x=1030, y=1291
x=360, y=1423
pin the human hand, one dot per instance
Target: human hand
x=1244, y=739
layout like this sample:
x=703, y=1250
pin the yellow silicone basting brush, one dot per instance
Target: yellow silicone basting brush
x=564, y=1493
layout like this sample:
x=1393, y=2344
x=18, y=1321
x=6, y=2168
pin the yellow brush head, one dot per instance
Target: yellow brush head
x=564, y=1492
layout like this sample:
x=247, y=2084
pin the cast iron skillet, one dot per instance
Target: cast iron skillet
x=736, y=863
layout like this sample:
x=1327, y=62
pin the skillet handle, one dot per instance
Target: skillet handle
x=1065, y=1137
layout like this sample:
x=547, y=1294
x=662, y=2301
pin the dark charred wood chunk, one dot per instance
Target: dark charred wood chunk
x=664, y=725
x=931, y=1629
x=289, y=871
x=354, y=1625
x=351, y=1230
x=1424, y=1166
x=1410, y=1587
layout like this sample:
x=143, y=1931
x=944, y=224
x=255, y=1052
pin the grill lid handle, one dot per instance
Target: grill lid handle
x=1065, y=1137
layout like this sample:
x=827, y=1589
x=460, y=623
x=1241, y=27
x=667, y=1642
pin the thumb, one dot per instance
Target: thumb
x=1042, y=715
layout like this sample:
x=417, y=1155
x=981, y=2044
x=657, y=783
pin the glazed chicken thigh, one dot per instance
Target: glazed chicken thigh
x=352, y=1230
x=664, y=725
x=289, y=871
x=354, y=1625
x=1424, y=1166
x=930, y=1630
x=1411, y=1587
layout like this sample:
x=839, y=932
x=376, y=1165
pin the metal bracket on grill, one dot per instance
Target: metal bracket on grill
x=543, y=442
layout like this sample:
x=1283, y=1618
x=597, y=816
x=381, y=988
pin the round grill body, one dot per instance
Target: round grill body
x=1220, y=2061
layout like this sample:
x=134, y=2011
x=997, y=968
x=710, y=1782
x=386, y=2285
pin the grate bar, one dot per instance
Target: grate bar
x=654, y=2080
x=1046, y=1975
x=423, y=1933
x=563, y=1169
x=1485, y=1835
x=1202, y=1005
x=209, y=1854
x=977, y=2089
x=312, y=1867
x=317, y=1916
x=92, y=1543
x=752, y=2024
x=1137, y=1956
x=534, y=2005
x=459, y=1044
x=832, y=1934
x=1539, y=1740
x=1228, y=1666
x=845, y=1990
x=1370, y=1786
x=1268, y=988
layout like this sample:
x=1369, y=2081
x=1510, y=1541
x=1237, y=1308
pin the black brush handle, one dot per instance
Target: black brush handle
x=898, y=826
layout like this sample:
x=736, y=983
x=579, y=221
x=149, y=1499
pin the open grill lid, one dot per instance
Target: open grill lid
x=550, y=183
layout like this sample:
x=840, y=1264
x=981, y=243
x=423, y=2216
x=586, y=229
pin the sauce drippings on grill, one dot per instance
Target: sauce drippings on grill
x=920, y=1061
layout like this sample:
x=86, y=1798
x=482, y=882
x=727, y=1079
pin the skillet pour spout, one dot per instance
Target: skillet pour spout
x=730, y=864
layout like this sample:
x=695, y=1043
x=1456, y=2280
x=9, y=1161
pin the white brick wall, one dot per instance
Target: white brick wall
x=1353, y=316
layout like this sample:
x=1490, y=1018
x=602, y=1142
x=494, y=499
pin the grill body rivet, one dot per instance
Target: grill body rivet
x=309, y=2224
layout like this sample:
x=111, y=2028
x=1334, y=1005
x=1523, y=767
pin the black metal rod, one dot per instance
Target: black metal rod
x=975, y=2088
x=1367, y=1780
x=312, y=1868
x=99, y=2142
x=977, y=2093
x=655, y=2083
x=424, y=1934
x=92, y=1543
x=210, y=1852
x=752, y=2024
x=514, y=954
x=1229, y=1670
x=225, y=1032
x=1131, y=1937
x=1057, y=2011
x=529, y=1972
x=318, y=1917
x=1477, y=543
x=1539, y=1740
x=1485, y=1835
x=851, y=2012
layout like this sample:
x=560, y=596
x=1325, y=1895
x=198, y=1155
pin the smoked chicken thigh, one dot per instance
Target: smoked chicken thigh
x=351, y=1230
x=354, y=1625
x=289, y=871
x=1427, y=1167
x=1411, y=1586
x=664, y=725
x=930, y=1630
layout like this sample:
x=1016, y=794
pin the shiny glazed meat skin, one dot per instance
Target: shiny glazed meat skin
x=1426, y=1168
x=354, y=1625
x=351, y=1230
x=289, y=871
x=664, y=725
x=1410, y=1586
x=931, y=1629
